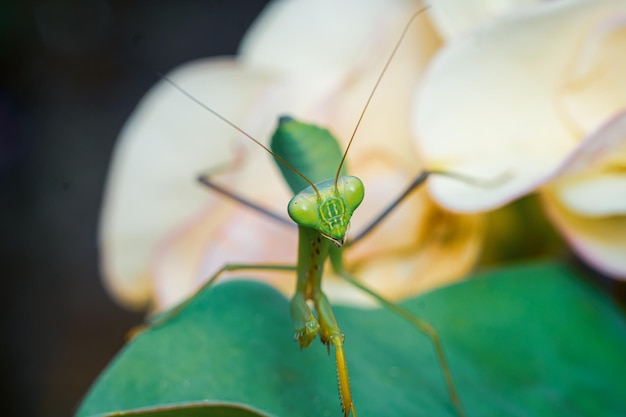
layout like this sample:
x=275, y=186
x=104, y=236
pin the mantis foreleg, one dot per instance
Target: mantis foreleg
x=205, y=180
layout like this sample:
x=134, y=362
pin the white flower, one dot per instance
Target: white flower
x=162, y=234
x=538, y=93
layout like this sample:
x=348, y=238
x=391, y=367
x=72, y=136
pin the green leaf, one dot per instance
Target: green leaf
x=310, y=149
x=533, y=340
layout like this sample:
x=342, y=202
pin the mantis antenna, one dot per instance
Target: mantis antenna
x=243, y=132
x=380, y=77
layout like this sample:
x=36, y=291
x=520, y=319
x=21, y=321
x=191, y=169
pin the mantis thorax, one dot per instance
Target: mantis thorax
x=330, y=209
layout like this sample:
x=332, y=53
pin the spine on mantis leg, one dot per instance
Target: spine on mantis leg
x=343, y=379
x=331, y=335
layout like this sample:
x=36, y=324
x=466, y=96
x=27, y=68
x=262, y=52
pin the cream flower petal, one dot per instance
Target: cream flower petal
x=382, y=153
x=383, y=156
x=592, y=181
x=167, y=142
x=301, y=38
x=500, y=115
x=599, y=241
x=454, y=17
x=216, y=232
x=604, y=195
x=595, y=86
x=400, y=257
x=224, y=233
x=405, y=254
x=435, y=237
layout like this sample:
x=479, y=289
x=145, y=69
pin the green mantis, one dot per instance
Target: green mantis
x=325, y=198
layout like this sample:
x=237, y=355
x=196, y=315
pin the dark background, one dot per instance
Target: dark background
x=71, y=73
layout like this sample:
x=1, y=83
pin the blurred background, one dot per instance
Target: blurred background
x=72, y=71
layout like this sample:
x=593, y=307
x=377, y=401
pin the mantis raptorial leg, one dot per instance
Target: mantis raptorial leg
x=323, y=204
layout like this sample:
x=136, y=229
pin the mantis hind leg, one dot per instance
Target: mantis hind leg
x=205, y=180
x=422, y=326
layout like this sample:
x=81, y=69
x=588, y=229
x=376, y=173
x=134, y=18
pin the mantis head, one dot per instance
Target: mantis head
x=329, y=208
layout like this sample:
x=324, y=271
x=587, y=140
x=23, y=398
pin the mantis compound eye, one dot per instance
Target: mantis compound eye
x=303, y=209
x=352, y=191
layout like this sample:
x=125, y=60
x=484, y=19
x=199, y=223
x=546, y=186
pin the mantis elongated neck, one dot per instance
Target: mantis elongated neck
x=312, y=253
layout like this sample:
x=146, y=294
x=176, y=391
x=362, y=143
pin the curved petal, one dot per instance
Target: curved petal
x=599, y=241
x=226, y=233
x=401, y=257
x=603, y=195
x=591, y=181
x=595, y=86
x=167, y=142
x=420, y=260
x=301, y=38
x=223, y=234
x=184, y=260
x=500, y=115
x=455, y=17
x=197, y=241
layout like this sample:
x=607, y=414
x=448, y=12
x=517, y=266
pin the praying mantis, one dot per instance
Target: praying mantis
x=325, y=199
